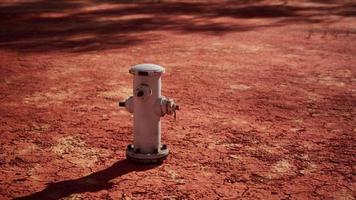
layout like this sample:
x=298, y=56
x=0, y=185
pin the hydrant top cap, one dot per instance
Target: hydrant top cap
x=146, y=69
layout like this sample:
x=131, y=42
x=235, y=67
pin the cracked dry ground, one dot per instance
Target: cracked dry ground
x=266, y=89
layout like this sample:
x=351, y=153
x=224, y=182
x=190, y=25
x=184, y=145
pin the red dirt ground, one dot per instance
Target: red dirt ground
x=267, y=91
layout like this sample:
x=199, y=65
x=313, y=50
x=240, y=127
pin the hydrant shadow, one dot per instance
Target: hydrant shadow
x=94, y=182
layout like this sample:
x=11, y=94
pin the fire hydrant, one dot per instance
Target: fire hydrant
x=148, y=106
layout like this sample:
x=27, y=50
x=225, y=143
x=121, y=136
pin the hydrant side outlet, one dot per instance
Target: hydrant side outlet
x=147, y=106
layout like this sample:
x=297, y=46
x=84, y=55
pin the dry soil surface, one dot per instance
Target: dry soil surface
x=267, y=91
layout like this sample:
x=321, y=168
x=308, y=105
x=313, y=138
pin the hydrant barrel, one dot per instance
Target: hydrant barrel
x=146, y=92
x=148, y=106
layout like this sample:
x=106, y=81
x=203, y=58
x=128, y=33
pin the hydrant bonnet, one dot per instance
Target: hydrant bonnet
x=147, y=70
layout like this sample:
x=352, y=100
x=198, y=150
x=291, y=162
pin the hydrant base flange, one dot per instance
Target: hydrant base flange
x=160, y=156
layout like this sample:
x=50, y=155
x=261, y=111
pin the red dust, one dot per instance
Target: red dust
x=266, y=91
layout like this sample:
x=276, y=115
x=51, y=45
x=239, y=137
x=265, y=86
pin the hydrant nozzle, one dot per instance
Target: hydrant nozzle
x=148, y=106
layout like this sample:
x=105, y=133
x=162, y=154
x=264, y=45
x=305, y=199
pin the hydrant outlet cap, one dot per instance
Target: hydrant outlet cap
x=146, y=70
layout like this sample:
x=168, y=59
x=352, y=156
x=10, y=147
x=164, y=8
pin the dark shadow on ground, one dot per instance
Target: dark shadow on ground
x=94, y=182
x=80, y=26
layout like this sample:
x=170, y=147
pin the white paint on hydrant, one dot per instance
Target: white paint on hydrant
x=148, y=106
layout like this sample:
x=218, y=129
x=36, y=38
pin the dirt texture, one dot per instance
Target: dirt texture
x=266, y=89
